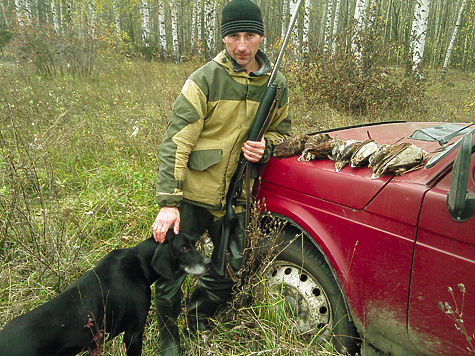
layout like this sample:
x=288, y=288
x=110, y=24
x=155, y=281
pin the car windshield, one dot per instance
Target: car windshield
x=441, y=134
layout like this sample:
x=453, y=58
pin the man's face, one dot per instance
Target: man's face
x=242, y=47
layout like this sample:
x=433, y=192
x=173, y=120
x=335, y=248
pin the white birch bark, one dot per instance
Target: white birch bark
x=23, y=9
x=145, y=14
x=285, y=17
x=210, y=19
x=54, y=16
x=162, y=35
x=306, y=27
x=328, y=26
x=116, y=11
x=335, y=25
x=294, y=37
x=360, y=16
x=196, y=24
x=91, y=9
x=452, y=41
x=175, y=38
x=419, y=33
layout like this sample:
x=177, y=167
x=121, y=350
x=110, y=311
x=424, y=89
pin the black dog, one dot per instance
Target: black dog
x=112, y=298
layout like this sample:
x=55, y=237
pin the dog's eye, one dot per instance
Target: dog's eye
x=183, y=249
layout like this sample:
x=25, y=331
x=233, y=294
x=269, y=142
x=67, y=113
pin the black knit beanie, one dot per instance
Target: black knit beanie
x=241, y=16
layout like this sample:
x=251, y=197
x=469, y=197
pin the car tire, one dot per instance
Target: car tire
x=301, y=275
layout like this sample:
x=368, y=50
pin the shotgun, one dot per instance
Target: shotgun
x=257, y=130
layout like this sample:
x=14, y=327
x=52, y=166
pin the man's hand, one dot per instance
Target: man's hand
x=254, y=150
x=167, y=216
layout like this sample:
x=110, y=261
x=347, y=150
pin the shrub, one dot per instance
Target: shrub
x=346, y=88
x=5, y=36
x=353, y=79
x=77, y=49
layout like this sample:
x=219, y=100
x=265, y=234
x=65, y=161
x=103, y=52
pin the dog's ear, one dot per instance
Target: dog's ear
x=163, y=262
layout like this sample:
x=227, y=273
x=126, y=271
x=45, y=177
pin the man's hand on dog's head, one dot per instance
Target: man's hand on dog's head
x=167, y=216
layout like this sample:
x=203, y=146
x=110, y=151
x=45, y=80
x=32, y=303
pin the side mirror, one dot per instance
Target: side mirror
x=461, y=203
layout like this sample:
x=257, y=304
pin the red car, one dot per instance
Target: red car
x=380, y=264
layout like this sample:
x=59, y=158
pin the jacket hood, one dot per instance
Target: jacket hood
x=224, y=59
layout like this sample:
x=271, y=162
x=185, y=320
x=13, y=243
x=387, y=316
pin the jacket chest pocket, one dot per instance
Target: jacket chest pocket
x=203, y=159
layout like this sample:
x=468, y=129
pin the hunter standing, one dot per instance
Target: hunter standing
x=206, y=133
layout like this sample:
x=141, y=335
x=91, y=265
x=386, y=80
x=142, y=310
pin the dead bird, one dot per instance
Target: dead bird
x=401, y=158
x=317, y=146
x=379, y=155
x=291, y=147
x=363, y=153
x=342, y=153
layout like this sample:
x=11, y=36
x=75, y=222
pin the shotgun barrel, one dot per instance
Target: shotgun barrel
x=235, y=188
x=256, y=131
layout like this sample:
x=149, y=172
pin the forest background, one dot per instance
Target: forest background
x=86, y=88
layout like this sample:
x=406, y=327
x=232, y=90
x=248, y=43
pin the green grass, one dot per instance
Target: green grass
x=78, y=161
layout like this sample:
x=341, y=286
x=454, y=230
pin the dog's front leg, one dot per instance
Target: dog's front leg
x=133, y=342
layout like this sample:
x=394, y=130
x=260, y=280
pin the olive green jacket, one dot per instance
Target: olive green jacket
x=207, y=128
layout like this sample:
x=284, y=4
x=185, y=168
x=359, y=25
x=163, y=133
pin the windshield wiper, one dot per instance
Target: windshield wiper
x=445, y=150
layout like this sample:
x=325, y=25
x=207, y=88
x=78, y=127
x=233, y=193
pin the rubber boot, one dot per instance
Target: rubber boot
x=167, y=315
x=200, y=309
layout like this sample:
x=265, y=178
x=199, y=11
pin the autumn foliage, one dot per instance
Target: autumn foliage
x=357, y=89
x=75, y=48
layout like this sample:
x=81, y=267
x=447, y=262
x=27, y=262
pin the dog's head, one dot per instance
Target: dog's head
x=179, y=252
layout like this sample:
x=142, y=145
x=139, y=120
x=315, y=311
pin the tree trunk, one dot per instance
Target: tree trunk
x=335, y=25
x=175, y=33
x=195, y=29
x=452, y=41
x=306, y=28
x=418, y=37
x=162, y=31
x=328, y=27
x=356, y=41
x=210, y=20
x=145, y=12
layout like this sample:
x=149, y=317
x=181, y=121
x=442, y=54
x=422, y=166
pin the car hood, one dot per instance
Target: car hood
x=353, y=187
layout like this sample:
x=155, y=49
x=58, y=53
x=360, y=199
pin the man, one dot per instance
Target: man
x=206, y=133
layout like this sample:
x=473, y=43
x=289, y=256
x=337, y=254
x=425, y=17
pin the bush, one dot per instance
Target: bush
x=340, y=83
x=5, y=36
x=77, y=49
x=356, y=79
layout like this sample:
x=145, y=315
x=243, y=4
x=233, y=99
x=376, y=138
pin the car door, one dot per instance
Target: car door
x=444, y=257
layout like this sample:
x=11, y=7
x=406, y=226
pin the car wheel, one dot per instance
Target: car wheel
x=301, y=275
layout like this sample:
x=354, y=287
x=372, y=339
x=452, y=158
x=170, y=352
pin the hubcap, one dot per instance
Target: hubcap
x=304, y=298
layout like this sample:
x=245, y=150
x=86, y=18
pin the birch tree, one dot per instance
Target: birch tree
x=328, y=26
x=285, y=17
x=360, y=16
x=452, y=41
x=173, y=28
x=210, y=20
x=145, y=15
x=116, y=12
x=162, y=31
x=335, y=25
x=175, y=33
x=295, y=31
x=196, y=28
x=306, y=27
x=418, y=36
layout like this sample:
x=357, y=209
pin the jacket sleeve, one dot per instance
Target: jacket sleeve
x=184, y=128
x=279, y=128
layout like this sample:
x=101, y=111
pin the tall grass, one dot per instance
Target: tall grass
x=78, y=161
x=77, y=171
